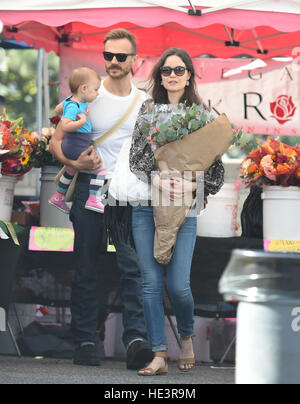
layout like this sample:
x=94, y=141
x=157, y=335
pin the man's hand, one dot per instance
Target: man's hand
x=88, y=160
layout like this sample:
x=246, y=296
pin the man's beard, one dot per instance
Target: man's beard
x=123, y=72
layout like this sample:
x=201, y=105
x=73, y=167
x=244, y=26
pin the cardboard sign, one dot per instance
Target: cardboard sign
x=51, y=239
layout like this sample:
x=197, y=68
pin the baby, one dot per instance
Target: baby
x=84, y=84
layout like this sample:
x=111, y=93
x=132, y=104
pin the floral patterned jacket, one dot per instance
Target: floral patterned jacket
x=142, y=160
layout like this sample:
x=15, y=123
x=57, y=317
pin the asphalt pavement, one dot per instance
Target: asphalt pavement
x=14, y=370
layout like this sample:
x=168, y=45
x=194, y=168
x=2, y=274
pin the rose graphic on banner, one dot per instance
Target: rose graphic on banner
x=283, y=109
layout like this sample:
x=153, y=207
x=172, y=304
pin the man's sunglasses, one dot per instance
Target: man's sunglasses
x=121, y=57
x=166, y=71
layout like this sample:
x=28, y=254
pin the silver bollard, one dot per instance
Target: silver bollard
x=267, y=287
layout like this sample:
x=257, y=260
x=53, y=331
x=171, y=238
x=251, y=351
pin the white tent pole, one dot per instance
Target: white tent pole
x=39, y=108
x=263, y=37
x=190, y=31
x=193, y=7
x=39, y=94
x=231, y=39
x=46, y=91
x=258, y=41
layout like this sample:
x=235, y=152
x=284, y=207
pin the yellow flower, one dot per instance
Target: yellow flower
x=25, y=159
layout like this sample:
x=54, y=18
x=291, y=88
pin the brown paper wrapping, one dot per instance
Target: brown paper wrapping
x=196, y=152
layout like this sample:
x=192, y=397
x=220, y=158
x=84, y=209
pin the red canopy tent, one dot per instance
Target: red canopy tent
x=75, y=29
x=261, y=29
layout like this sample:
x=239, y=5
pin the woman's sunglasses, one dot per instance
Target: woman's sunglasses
x=166, y=71
x=121, y=57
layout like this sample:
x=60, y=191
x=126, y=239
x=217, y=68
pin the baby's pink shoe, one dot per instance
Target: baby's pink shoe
x=94, y=204
x=58, y=200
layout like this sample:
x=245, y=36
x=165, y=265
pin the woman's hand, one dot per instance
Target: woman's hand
x=184, y=186
x=163, y=184
x=174, y=187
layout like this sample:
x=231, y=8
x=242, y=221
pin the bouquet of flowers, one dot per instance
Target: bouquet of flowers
x=272, y=163
x=42, y=155
x=175, y=122
x=18, y=146
x=185, y=139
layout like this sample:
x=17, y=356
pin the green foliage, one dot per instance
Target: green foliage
x=18, y=83
x=181, y=122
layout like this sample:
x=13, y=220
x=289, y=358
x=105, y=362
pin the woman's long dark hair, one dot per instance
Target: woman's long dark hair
x=160, y=94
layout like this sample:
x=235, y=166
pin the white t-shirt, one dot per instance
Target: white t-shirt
x=104, y=113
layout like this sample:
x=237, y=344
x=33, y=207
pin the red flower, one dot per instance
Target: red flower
x=7, y=123
x=55, y=120
x=283, y=109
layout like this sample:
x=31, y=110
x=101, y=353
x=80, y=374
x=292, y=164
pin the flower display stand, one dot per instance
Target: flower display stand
x=7, y=191
x=281, y=213
x=49, y=215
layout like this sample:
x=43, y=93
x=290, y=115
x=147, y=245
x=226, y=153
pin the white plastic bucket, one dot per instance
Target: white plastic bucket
x=50, y=216
x=281, y=213
x=219, y=219
x=7, y=192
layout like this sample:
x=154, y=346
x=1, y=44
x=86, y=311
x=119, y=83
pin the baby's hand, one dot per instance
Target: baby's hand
x=59, y=109
x=81, y=117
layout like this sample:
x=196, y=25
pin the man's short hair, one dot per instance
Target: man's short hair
x=122, y=33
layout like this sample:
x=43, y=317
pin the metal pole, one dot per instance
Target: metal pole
x=46, y=90
x=39, y=109
x=39, y=94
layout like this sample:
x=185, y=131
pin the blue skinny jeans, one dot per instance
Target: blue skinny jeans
x=178, y=277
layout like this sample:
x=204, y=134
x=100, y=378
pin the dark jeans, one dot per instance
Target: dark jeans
x=88, y=227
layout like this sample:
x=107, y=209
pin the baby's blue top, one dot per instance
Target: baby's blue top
x=72, y=109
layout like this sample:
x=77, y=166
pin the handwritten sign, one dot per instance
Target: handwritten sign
x=51, y=239
x=282, y=246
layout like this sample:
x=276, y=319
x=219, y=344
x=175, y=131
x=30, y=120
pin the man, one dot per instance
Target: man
x=116, y=94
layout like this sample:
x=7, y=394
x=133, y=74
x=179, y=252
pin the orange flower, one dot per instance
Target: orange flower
x=283, y=169
x=287, y=151
x=253, y=168
x=257, y=175
x=267, y=149
x=30, y=139
x=273, y=161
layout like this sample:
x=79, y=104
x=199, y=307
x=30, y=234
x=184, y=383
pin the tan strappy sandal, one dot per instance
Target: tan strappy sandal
x=151, y=372
x=186, y=361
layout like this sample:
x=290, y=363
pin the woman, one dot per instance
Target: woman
x=173, y=82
